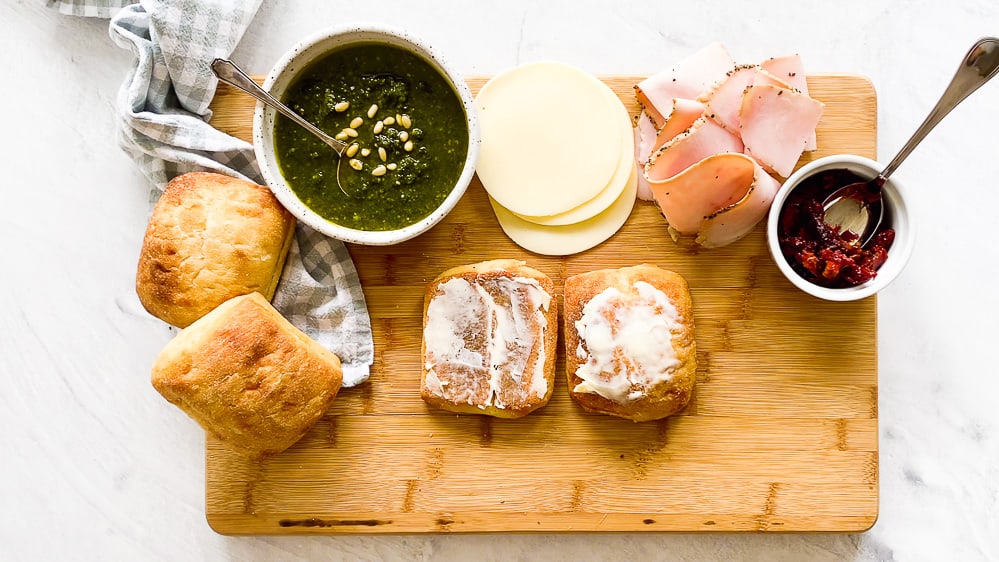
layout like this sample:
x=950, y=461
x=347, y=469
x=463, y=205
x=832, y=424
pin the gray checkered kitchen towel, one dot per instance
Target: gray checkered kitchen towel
x=163, y=111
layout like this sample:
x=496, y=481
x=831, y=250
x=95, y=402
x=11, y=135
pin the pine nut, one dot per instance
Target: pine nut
x=341, y=136
x=405, y=121
x=350, y=132
x=342, y=106
x=408, y=146
x=378, y=127
x=357, y=122
x=356, y=164
x=382, y=154
x=352, y=149
x=390, y=120
x=403, y=136
x=378, y=171
x=391, y=165
x=365, y=151
x=372, y=111
x=398, y=118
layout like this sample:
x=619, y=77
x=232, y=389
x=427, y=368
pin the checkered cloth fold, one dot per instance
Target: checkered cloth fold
x=163, y=124
x=89, y=8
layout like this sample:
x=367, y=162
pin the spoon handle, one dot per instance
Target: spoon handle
x=978, y=67
x=231, y=74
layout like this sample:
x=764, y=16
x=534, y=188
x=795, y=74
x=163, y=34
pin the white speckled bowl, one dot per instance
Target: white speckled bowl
x=895, y=210
x=283, y=74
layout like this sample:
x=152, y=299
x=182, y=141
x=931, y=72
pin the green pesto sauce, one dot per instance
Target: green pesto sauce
x=399, y=83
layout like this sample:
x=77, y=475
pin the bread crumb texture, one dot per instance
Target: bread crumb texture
x=249, y=377
x=210, y=237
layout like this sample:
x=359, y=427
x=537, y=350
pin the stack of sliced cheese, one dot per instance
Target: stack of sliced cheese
x=557, y=157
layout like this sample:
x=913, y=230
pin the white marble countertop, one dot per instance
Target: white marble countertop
x=98, y=466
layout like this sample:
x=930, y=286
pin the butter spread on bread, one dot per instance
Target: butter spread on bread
x=630, y=349
x=625, y=344
x=489, y=339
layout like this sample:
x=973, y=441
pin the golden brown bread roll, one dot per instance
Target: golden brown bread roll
x=210, y=238
x=489, y=335
x=629, y=342
x=247, y=376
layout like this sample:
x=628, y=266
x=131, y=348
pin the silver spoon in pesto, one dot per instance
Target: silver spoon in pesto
x=231, y=74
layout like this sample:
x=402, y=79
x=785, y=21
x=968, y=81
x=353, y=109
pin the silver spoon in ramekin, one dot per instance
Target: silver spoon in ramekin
x=857, y=207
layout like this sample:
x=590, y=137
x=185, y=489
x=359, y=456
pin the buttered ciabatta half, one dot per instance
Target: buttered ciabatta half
x=629, y=341
x=489, y=334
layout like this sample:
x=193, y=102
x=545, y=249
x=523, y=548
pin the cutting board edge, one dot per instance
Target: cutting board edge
x=228, y=523
x=467, y=524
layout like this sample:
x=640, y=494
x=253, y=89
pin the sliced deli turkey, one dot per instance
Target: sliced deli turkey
x=712, y=132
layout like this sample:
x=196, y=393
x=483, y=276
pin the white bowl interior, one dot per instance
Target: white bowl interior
x=284, y=73
x=896, y=212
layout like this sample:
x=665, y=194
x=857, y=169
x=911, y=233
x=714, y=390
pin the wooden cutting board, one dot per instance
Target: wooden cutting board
x=781, y=434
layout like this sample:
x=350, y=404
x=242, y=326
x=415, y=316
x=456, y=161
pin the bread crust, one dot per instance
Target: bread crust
x=514, y=406
x=248, y=376
x=662, y=399
x=210, y=237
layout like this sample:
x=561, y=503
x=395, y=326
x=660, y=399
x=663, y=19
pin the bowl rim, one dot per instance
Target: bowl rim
x=898, y=255
x=306, y=51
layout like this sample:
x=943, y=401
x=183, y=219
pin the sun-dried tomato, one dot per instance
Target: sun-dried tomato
x=820, y=253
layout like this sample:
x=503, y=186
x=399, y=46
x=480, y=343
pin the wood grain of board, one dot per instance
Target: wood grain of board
x=781, y=434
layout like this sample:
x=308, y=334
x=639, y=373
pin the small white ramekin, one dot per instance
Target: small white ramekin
x=895, y=211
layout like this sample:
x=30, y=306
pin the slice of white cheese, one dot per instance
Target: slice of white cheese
x=612, y=191
x=550, y=138
x=572, y=238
